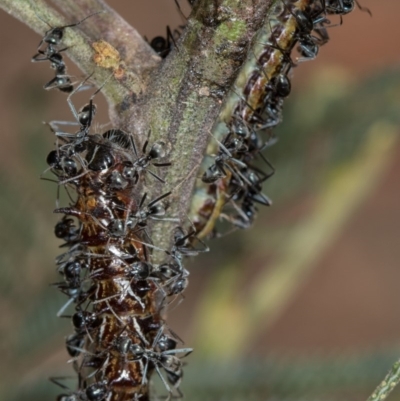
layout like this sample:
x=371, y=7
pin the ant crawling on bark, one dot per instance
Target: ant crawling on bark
x=52, y=38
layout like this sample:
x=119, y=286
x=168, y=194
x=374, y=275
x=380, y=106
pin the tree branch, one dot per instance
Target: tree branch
x=184, y=95
x=134, y=50
x=125, y=85
x=184, y=100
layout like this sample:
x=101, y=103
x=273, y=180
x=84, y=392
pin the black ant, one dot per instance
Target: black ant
x=61, y=164
x=67, y=230
x=154, y=210
x=158, y=150
x=173, y=276
x=161, y=354
x=94, y=392
x=252, y=192
x=163, y=46
x=75, y=293
x=344, y=7
x=85, y=321
x=52, y=38
x=228, y=149
x=75, y=143
x=100, y=156
x=183, y=245
x=247, y=213
x=306, y=23
x=54, y=35
x=74, y=285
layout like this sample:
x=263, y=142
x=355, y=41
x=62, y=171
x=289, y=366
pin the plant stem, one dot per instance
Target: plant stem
x=388, y=384
x=40, y=17
x=186, y=96
x=135, y=51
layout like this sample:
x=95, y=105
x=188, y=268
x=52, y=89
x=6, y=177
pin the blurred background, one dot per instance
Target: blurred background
x=304, y=306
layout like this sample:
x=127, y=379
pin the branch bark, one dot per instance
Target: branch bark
x=134, y=50
x=184, y=100
x=40, y=17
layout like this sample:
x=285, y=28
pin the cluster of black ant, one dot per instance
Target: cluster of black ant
x=118, y=293
x=232, y=172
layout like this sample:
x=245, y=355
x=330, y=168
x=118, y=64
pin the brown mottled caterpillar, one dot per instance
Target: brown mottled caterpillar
x=119, y=335
x=231, y=185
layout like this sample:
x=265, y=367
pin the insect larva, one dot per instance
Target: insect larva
x=252, y=108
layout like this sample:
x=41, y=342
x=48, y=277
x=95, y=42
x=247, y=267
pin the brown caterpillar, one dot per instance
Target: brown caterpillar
x=119, y=335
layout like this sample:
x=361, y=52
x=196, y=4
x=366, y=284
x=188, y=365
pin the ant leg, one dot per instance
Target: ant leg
x=156, y=200
x=365, y=9
x=70, y=104
x=164, y=382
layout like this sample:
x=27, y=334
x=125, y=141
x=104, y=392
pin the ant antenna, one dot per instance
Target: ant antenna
x=69, y=25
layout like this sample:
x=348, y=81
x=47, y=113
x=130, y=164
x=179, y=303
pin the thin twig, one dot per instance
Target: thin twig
x=80, y=49
x=388, y=384
x=134, y=50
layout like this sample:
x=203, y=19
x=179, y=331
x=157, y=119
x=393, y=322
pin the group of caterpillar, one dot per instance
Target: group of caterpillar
x=118, y=294
x=231, y=185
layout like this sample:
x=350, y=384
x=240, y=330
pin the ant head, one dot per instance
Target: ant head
x=166, y=343
x=123, y=344
x=159, y=44
x=84, y=320
x=168, y=270
x=96, y=392
x=71, y=270
x=158, y=210
x=137, y=351
x=66, y=229
x=343, y=6
x=62, y=164
x=54, y=36
x=117, y=181
x=212, y=174
x=181, y=237
x=117, y=228
x=158, y=150
x=140, y=270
